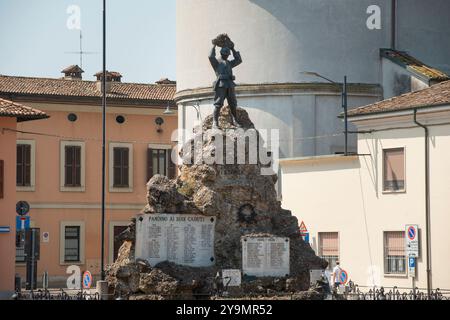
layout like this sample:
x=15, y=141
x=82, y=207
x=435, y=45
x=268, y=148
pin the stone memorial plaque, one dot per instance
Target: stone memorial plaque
x=180, y=238
x=265, y=256
x=315, y=275
x=231, y=277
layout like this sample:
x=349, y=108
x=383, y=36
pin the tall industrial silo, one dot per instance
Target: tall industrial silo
x=280, y=40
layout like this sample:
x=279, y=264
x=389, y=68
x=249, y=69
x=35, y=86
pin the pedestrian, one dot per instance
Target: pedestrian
x=337, y=275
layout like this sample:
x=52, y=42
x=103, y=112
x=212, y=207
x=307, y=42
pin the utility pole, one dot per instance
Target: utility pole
x=102, y=263
x=344, y=105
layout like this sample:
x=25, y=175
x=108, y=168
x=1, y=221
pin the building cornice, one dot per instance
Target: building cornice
x=123, y=102
x=283, y=88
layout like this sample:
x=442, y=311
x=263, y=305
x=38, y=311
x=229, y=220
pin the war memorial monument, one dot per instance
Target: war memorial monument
x=218, y=229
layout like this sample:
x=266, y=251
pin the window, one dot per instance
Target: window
x=72, y=166
x=394, y=169
x=120, y=167
x=120, y=163
x=72, y=242
x=394, y=252
x=25, y=165
x=20, y=246
x=159, y=162
x=329, y=247
x=23, y=177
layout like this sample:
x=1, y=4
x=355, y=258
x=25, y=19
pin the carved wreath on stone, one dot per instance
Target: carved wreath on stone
x=246, y=213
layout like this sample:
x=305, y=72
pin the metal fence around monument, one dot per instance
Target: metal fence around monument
x=355, y=292
x=55, y=294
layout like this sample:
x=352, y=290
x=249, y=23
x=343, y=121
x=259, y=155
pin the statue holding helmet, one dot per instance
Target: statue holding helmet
x=224, y=84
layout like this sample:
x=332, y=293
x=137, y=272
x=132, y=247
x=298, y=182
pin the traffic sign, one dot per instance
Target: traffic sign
x=412, y=266
x=343, y=277
x=87, y=280
x=22, y=207
x=412, y=240
x=22, y=222
x=303, y=229
x=305, y=237
x=5, y=229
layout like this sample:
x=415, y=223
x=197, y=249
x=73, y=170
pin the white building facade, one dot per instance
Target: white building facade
x=356, y=207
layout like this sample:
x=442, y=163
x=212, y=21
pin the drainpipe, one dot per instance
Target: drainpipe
x=427, y=201
x=393, y=23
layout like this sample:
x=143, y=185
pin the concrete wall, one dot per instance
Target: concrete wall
x=423, y=29
x=8, y=206
x=397, y=80
x=278, y=40
x=307, y=120
x=344, y=195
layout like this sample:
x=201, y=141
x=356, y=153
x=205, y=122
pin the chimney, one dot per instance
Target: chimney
x=165, y=81
x=111, y=76
x=72, y=72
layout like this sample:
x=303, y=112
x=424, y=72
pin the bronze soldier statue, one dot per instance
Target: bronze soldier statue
x=224, y=85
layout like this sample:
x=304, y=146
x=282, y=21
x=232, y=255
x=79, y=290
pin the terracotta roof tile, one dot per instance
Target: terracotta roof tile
x=21, y=112
x=77, y=88
x=438, y=94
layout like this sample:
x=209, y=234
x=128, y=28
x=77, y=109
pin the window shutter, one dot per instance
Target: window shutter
x=395, y=243
x=125, y=166
x=68, y=165
x=27, y=165
x=19, y=166
x=329, y=243
x=149, y=163
x=1, y=178
x=172, y=168
x=77, y=165
x=116, y=167
x=394, y=169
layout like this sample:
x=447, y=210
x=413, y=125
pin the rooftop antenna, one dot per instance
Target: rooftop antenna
x=81, y=52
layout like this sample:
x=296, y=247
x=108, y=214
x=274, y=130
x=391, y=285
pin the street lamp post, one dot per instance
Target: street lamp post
x=344, y=103
x=102, y=262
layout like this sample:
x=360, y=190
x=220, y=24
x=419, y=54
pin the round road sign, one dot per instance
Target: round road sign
x=411, y=233
x=22, y=208
x=343, y=277
x=87, y=280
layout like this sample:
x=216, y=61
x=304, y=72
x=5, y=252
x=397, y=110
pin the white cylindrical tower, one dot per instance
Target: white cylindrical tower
x=278, y=40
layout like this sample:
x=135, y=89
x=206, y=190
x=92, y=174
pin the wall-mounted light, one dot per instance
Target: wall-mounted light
x=159, y=121
x=168, y=110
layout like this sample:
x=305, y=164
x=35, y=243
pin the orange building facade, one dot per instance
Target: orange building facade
x=59, y=164
x=10, y=114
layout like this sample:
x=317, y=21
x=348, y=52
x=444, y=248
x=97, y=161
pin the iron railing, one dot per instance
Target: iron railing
x=354, y=292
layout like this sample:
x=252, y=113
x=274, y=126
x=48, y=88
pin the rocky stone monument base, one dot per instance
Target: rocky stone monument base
x=249, y=233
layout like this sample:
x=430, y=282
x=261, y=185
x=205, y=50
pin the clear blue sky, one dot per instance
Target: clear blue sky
x=140, y=38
